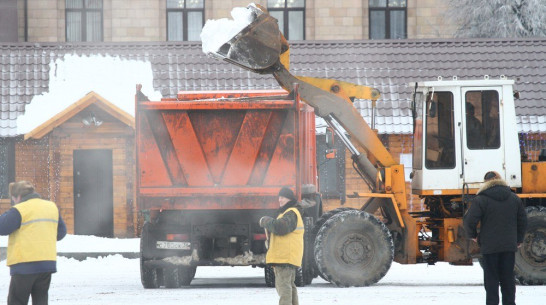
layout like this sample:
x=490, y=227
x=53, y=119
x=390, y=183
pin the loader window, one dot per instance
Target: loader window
x=418, y=131
x=482, y=119
x=440, y=131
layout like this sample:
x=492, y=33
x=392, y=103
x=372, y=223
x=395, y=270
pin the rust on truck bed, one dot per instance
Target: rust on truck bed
x=223, y=149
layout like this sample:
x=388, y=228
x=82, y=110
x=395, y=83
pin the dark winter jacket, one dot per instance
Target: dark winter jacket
x=11, y=221
x=287, y=223
x=501, y=216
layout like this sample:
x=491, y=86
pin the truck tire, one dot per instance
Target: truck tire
x=186, y=274
x=171, y=279
x=148, y=276
x=318, y=224
x=530, y=267
x=269, y=275
x=353, y=248
x=308, y=265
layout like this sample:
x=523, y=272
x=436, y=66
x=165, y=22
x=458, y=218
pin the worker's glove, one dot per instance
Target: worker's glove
x=265, y=221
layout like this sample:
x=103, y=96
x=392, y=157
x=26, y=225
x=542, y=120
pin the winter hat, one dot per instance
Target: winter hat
x=287, y=193
x=21, y=188
x=491, y=176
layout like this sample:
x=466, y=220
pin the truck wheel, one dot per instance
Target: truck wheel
x=148, y=276
x=170, y=275
x=308, y=265
x=530, y=267
x=269, y=276
x=318, y=224
x=186, y=275
x=353, y=248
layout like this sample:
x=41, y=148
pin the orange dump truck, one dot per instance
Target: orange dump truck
x=209, y=165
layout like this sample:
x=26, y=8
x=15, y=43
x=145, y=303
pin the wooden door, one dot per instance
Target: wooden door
x=93, y=193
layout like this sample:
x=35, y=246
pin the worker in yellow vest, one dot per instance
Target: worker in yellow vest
x=34, y=226
x=285, y=251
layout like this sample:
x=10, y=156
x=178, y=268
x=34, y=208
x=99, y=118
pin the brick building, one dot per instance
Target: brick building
x=173, y=20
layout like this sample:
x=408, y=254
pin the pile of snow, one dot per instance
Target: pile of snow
x=217, y=32
x=72, y=77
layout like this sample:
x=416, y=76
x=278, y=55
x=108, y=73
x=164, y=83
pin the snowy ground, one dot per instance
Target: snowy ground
x=115, y=280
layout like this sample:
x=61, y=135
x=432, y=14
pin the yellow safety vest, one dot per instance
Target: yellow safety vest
x=287, y=249
x=36, y=239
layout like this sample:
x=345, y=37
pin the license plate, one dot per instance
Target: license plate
x=175, y=245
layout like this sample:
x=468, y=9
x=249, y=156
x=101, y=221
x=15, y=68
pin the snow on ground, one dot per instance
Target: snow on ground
x=115, y=280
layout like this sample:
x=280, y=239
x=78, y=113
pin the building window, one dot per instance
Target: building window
x=83, y=20
x=388, y=19
x=291, y=17
x=185, y=19
x=7, y=165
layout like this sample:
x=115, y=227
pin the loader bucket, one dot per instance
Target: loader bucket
x=257, y=46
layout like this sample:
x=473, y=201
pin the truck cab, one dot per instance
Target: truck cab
x=463, y=129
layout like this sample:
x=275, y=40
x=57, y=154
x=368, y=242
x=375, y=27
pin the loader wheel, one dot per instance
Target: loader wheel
x=324, y=217
x=530, y=267
x=318, y=224
x=186, y=275
x=148, y=276
x=353, y=248
x=299, y=281
x=171, y=277
x=269, y=275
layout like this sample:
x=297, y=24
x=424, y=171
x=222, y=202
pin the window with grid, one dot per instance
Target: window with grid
x=291, y=17
x=185, y=19
x=388, y=19
x=84, y=20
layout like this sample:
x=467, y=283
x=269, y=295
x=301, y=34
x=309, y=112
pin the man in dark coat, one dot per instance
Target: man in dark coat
x=285, y=251
x=34, y=226
x=503, y=221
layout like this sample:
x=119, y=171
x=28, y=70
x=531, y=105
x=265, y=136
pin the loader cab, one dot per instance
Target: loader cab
x=463, y=129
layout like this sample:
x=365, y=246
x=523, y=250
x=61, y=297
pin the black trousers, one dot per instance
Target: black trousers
x=498, y=269
x=22, y=286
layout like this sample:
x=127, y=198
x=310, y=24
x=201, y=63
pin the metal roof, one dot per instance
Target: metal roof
x=388, y=65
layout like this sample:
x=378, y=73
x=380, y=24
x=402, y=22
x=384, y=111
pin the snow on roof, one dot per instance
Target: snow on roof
x=72, y=77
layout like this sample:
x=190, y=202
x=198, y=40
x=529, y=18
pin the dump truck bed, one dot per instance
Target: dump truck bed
x=223, y=150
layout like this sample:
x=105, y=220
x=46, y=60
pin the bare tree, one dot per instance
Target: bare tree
x=499, y=18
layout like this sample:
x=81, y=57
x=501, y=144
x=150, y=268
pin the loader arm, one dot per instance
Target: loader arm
x=260, y=47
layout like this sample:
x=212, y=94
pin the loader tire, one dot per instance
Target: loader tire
x=186, y=274
x=318, y=224
x=148, y=276
x=353, y=248
x=530, y=267
x=324, y=217
x=299, y=281
x=171, y=278
x=269, y=276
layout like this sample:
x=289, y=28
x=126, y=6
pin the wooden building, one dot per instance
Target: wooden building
x=83, y=159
